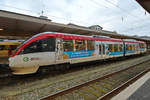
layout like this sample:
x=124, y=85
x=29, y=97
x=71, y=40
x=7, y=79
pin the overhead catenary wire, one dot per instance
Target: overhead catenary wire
x=122, y=10
x=77, y=21
x=38, y=12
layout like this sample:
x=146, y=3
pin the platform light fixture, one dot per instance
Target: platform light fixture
x=1, y=29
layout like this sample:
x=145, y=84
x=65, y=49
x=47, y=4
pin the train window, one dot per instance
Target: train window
x=130, y=47
x=120, y=47
x=133, y=47
x=90, y=45
x=110, y=47
x=80, y=45
x=68, y=44
x=115, y=47
x=2, y=47
x=47, y=44
x=141, y=45
x=42, y=45
x=127, y=47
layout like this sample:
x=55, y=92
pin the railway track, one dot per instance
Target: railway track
x=5, y=71
x=36, y=86
x=104, y=87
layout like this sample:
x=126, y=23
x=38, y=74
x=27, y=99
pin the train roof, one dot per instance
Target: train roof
x=72, y=36
x=76, y=37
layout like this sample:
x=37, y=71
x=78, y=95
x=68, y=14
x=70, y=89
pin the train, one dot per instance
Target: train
x=53, y=48
x=7, y=47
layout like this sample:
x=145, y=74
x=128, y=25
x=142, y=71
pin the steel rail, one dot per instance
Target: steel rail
x=63, y=92
x=115, y=91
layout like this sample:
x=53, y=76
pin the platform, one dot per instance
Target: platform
x=140, y=90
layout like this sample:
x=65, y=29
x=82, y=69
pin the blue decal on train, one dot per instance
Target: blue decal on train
x=130, y=51
x=142, y=49
x=79, y=54
x=116, y=53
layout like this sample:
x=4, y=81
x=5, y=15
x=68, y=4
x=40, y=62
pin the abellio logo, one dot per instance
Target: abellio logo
x=25, y=59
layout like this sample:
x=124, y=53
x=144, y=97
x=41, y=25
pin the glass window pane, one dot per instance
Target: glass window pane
x=80, y=45
x=110, y=47
x=68, y=44
x=115, y=47
x=90, y=45
x=43, y=45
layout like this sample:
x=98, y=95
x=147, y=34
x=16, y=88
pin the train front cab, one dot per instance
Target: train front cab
x=33, y=55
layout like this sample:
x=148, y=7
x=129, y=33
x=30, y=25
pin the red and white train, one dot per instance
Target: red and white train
x=51, y=48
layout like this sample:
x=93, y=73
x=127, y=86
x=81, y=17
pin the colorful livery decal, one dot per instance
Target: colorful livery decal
x=79, y=54
x=115, y=53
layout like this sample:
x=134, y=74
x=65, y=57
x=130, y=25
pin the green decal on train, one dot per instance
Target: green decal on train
x=25, y=59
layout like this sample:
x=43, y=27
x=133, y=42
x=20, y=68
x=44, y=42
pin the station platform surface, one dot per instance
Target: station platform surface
x=139, y=90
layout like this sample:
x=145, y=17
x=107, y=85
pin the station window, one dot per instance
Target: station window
x=80, y=45
x=90, y=45
x=43, y=45
x=68, y=44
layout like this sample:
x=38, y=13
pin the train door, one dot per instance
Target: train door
x=102, y=49
x=97, y=48
x=59, y=49
x=124, y=48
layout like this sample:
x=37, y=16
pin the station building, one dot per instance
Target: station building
x=20, y=26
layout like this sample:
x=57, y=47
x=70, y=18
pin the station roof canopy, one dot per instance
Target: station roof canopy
x=145, y=4
x=19, y=26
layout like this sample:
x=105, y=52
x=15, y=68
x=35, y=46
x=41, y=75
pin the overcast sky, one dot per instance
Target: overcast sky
x=124, y=16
